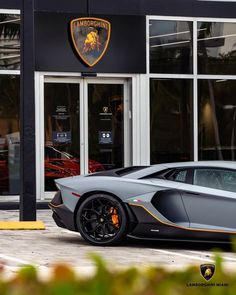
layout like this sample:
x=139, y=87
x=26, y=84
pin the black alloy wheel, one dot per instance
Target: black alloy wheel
x=101, y=220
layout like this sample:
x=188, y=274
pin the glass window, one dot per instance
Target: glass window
x=178, y=175
x=229, y=180
x=9, y=134
x=171, y=47
x=215, y=178
x=62, y=132
x=207, y=177
x=9, y=41
x=217, y=119
x=171, y=132
x=216, y=48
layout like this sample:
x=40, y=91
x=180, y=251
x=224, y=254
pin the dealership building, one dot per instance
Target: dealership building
x=93, y=85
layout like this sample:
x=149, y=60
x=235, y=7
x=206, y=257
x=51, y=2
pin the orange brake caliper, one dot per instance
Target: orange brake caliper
x=114, y=217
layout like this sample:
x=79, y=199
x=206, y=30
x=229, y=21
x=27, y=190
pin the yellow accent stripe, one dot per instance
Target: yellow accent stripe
x=22, y=225
x=51, y=205
x=182, y=227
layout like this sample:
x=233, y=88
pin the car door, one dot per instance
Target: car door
x=210, y=201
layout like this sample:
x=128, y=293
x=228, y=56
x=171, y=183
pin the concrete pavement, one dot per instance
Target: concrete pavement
x=44, y=248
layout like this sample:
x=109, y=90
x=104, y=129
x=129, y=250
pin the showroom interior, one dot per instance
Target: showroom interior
x=163, y=90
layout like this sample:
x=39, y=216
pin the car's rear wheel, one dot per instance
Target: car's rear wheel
x=102, y=220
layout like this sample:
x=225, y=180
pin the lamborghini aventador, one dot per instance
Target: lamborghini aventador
x=176, y=201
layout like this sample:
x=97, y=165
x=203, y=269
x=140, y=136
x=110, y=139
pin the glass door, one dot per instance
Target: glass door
x=108, y=124
x=87, y=126
x=62, y=131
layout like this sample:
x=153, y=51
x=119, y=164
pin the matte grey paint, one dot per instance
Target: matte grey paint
x=177, y=205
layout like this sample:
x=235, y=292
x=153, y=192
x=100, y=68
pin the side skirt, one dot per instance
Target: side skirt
x=149, y=227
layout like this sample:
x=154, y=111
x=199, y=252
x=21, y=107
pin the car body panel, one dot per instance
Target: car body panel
x=163, y=209
x=210, y=208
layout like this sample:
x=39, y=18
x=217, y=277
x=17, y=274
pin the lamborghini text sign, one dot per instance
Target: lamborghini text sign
x=90, y=37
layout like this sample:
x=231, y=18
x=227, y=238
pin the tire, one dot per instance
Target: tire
x=102, y=220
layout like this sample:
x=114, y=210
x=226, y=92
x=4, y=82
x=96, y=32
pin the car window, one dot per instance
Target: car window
x=179, y=175
x=215, y=178
x=229, y=180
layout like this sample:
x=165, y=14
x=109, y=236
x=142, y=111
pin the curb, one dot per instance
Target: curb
x=13, y=225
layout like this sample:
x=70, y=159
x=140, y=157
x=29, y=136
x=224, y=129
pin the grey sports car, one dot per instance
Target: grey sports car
x=183, y=201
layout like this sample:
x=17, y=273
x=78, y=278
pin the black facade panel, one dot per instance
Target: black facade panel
x=89, y=7
x=121, y=7
x=215, y=9
x=190, y=8
x=168, y=7
x=61, y=5
x=13, y=4
x=126, y=52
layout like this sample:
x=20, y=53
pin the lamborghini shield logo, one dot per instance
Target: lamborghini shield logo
x=207, y=271
x=90, y=37
x=105, y=109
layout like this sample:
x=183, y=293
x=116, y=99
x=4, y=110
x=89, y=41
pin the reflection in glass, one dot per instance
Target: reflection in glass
x=106, y=124
x=217, y=119
x=171, y=47
x=9, y=135
x=215, y=178
x=216, y=48
x=62, y=132
x=9, y=41
x=171, y=109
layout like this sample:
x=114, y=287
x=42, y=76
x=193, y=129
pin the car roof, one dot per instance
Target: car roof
x=217, y=164
x=159, y=167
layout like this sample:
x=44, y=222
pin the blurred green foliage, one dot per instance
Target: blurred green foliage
x=130, y=281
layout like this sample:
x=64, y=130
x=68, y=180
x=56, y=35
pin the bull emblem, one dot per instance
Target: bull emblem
x=91, y=42
x=207, y=271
